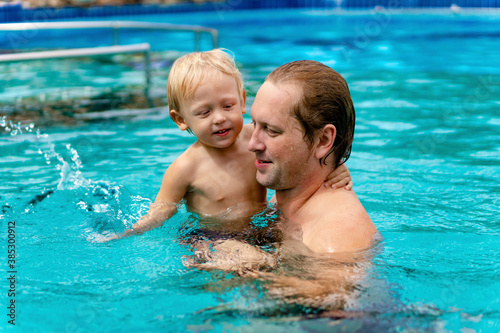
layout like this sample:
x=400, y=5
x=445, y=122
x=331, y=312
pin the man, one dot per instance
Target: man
x=303, y=119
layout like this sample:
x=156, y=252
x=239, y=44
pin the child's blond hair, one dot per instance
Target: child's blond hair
x=189, y=71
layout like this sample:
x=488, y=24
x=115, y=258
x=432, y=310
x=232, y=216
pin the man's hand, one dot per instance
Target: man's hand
x=340, y=177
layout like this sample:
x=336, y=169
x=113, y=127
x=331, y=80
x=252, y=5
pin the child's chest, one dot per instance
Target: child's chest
x=225, y=180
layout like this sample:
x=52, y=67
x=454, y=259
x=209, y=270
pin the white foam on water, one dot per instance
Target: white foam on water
x=372, y=83
x=386, y=103
x=494, y=121
x=367, y=135
x=419, y=81
x=57, y=137
x=392, y=126
x=487, y=154
x=375, y=143
x=443, y=131
x=159, y=132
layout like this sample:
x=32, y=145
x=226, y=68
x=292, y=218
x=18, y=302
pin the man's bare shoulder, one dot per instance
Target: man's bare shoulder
x=338, y=222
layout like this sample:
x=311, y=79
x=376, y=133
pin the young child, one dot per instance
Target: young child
x=206, y=97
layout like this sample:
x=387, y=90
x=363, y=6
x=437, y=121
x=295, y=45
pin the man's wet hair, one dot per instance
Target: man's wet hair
x=325, y=100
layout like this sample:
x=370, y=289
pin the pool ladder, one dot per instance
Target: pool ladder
x=142, y=48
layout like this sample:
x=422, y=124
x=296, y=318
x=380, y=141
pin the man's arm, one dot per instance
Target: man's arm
x=330, y=282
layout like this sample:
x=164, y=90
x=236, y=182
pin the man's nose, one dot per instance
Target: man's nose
x=255, y=144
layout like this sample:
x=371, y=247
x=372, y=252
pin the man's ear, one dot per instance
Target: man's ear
x=177, y=118
x=244, y=102
x=324, y=140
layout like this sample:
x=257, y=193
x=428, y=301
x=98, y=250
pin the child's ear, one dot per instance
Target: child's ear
x=244, y=102
x=324, y=140
x=177, y=118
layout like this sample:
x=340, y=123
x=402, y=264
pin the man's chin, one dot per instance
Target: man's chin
x=266, y=181
x=261, y=179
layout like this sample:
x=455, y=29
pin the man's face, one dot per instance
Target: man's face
x=277, y=139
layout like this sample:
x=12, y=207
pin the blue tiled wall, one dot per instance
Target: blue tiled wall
x=15, y=12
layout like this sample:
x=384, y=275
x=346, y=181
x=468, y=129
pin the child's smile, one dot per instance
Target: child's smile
x=215, y=113
x=223, y=132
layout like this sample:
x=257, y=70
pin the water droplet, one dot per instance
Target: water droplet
x=30, y=127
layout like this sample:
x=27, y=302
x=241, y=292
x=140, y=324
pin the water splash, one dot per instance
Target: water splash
x=15, y=128
x=107, y=208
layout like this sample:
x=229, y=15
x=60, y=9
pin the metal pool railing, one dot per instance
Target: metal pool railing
x=143, y=48
x=116, y=26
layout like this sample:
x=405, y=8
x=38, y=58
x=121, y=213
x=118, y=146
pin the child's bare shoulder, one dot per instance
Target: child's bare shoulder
x=189, y=160
x=177, y=178
x=180, y=175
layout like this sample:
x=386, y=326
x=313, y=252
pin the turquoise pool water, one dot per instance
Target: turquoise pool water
x=425, y=164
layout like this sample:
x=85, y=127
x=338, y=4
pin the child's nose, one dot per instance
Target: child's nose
x=219, y=118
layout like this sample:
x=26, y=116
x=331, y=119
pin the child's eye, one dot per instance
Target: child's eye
x=204, y=113
x=228, y=106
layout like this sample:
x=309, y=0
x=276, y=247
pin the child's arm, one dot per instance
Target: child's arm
x=339, y=177
x=173, y=188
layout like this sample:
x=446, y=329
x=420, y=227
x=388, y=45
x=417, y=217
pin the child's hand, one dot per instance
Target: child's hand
x=339, y=177
x=111, y=238
x=99, y=238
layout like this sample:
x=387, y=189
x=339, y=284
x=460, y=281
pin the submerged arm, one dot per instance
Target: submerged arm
x=318, y=280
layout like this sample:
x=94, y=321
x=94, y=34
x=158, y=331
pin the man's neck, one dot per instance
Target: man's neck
x=292, y=200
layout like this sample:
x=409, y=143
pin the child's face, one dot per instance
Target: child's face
x=214, y=113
